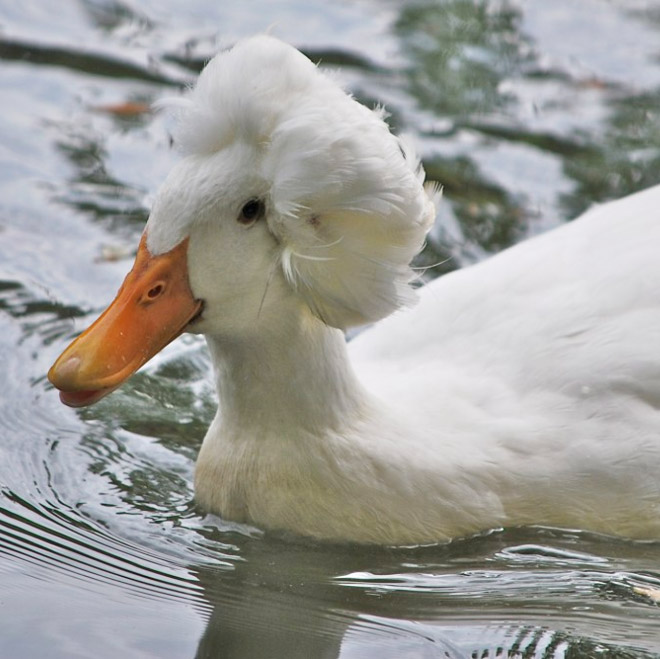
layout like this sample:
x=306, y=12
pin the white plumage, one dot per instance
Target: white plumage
x=523, y=390
x=348, y=209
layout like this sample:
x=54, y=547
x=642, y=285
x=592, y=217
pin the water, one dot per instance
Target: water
x=528, y=112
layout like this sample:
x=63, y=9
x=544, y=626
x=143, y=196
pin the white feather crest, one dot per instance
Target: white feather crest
x=345, y=197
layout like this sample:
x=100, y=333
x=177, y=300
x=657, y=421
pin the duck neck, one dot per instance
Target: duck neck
x=295, y=380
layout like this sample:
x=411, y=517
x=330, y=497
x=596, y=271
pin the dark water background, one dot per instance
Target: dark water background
x=527, y=111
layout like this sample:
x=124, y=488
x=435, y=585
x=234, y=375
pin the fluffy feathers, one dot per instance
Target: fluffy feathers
x=345, y=198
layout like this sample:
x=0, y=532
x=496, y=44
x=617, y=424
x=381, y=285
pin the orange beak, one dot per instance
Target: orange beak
x=153, y=306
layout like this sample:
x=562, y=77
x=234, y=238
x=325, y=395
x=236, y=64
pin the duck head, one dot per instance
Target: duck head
x=290, y=198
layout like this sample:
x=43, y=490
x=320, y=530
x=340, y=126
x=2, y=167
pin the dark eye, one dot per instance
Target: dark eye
x=251, y=212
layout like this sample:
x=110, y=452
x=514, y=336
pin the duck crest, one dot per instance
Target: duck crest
x=346, y=197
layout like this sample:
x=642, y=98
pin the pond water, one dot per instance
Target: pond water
x=527, y=111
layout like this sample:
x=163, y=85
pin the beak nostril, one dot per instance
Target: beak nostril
x=155, y=291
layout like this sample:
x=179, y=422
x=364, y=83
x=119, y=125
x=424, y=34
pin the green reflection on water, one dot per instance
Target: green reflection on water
x=459, y=53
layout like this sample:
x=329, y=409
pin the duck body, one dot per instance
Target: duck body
x=537, y=371
x=521, y=390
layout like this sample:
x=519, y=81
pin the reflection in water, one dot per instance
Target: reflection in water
x=273, y=603
x=102, y=551
x=628, y=157
x=474, y=67
x=460, y=51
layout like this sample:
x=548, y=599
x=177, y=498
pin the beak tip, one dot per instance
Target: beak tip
x=64, y=375
x=63, y=372
x=82, y=398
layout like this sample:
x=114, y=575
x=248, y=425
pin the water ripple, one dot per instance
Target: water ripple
x=68, y=546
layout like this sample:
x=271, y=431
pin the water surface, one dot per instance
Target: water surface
x=527, y=112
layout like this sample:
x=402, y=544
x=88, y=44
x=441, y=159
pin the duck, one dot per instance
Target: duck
x=522, y=390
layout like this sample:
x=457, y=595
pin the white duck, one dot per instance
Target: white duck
x=522, y=390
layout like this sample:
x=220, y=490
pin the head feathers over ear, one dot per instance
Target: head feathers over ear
x=345, y=199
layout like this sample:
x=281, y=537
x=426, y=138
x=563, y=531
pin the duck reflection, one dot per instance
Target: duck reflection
x=273, y=605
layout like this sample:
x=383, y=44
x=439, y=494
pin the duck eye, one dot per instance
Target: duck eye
x=251, y=211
